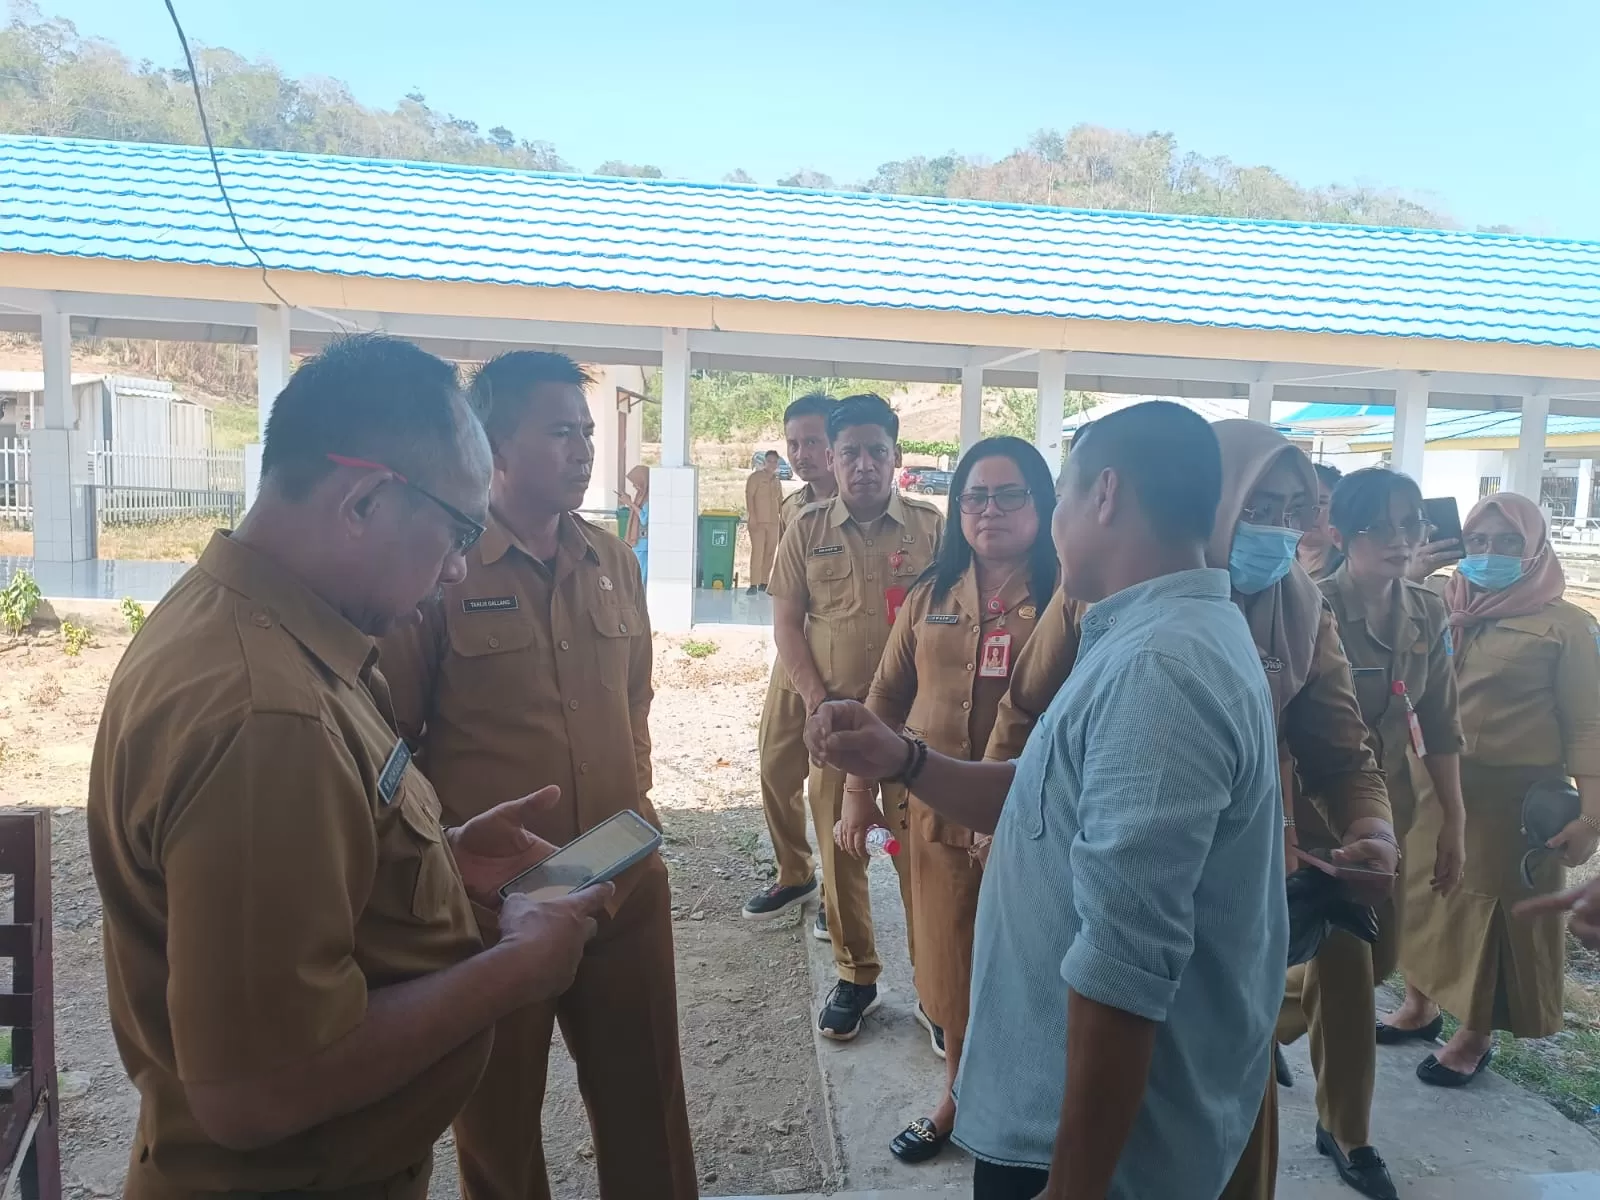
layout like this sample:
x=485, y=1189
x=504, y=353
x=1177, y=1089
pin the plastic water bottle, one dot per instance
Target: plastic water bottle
x=881, y=841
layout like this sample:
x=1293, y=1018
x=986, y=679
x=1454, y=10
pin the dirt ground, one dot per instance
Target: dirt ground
x=743, y=993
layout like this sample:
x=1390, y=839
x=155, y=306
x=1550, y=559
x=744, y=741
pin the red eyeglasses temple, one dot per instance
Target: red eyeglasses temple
x=365, y=464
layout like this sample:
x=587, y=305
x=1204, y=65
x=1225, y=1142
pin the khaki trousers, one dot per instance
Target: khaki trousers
x=784, y=766
x=620, y=1023
x=844, y=877
x=763, y=550
x=1256, y=1176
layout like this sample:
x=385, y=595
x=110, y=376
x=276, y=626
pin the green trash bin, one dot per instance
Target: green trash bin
x=719, y=534
x=624, y=515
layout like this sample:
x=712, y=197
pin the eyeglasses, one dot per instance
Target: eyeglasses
x=1006, y=499
x=1412, y=532
x=1301, y=517
x=469, y=531
x=1509, y=544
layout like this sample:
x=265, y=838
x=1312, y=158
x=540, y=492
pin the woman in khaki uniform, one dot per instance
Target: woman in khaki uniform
x=1269, y=496
x=1528, y=669
x=1394, y=634
x=943, y=672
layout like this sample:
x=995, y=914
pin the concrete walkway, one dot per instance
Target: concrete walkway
x=1492, y=1141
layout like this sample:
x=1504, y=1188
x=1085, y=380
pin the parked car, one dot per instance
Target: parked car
x=759, y=460
x=926, y=481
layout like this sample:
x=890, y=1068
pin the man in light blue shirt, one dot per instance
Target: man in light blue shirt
x=1131, y=936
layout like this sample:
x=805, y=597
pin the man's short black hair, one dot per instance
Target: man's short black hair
x=371, y=397
x=502, y=387
x=865, y=408
x=812, y=404
x=1361, y=499
x=1328, y=475
x=1167, y=455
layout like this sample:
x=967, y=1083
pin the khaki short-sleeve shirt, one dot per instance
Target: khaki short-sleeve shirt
x=1530, y=689
x=1039, y=672
x=763, y=498
x=945, y=669
x=527, y=674
x=850, y=579
x=266, y=856
x=1414, y=650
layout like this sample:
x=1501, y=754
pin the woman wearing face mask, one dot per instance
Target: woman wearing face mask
x=1269, y=497
x=947, y=663
x=1528, y=669
x=1394, y=633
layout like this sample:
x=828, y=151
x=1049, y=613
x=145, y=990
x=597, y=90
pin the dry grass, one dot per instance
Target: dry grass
x=164, y=541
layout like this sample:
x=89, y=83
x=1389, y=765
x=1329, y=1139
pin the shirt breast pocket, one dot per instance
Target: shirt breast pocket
x=484, y=635
x=831, y=584
x=416, y=853
x=615, y=628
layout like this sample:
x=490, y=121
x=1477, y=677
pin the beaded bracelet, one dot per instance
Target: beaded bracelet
x=916, y=759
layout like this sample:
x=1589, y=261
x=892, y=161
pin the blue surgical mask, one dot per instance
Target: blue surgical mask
x=1491, y=572
x=1261, y=555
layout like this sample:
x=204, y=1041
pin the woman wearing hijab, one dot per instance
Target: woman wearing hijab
x=1528, y=670
x=1269, y=497
x=948, y=661
x=638, y=535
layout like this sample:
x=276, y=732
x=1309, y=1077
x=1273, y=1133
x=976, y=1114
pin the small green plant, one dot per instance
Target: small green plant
x=698, y=649
x=19, y=600
x=133, y=614
x=74, y=638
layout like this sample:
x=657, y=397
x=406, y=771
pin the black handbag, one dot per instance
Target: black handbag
x=1319, y=905
x=1549, y=807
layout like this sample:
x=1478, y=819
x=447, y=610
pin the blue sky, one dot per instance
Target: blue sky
x=1491, y=109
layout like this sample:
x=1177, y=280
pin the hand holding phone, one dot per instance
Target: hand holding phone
x=1444, y=545
x=595, y=857
x=548, y=936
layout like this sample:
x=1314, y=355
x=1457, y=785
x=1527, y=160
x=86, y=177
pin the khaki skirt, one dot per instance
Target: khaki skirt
x=1488, y=968
x=944, y=895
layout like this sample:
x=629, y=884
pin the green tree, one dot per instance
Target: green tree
x=626, y=170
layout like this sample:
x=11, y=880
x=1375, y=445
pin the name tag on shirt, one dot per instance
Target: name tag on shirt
x=490, y=604
x=942, y=619
x=394, y=771
x=820, y=551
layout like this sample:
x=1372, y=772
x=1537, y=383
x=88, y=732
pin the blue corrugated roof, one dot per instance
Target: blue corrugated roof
x=1312, y=413
x=1447, y=425
x=431, y=221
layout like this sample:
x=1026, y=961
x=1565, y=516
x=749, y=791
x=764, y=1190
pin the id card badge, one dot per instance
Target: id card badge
x=995, y=661
x=893, y=598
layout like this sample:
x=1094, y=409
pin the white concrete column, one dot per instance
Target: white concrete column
x=1585, y=489
x=1527, y=460
x=1410, y=427
x=272, y=376
x=674, y=398
x=674, y=498
x=1052, y=406
x=1260, y=402
x=971, y=405
x=58, y=452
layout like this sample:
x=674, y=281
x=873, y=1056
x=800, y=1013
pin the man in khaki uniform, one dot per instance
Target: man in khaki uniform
x=763, y=498
x=294, y=972
x=536, y=667
x=843, y=571
x=780, y=738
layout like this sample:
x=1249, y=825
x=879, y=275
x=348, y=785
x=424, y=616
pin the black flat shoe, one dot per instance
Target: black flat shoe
x=1435, y=1074
x=918, y=1142
x=1280, y=1067
x=1391, y=1035
x=1362, y=1170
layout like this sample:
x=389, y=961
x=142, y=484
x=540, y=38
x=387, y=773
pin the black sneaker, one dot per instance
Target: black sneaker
x=763, y=906
x=841, y=1016
x=819, y=927
x=935, y=1033
x=751, y=590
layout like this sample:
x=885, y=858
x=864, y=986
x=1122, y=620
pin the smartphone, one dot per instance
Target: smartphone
x=1322, y=860
x=602, y=854
x=1445, y=518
